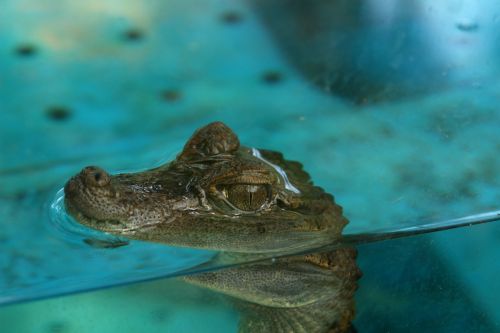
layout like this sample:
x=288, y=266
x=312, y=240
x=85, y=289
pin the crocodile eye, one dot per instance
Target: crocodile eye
x=246, y=197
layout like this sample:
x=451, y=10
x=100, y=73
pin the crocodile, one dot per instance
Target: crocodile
x=241, y=201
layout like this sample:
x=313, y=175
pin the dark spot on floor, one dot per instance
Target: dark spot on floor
x=58, y=113
x=231, y=17
x=3, y=238
x=26, y=50
x=57, y=327
x=386, y=131
x=159, y=315
x=20, y=196
x=272, y=77
x=133, y=34
x=171, y=95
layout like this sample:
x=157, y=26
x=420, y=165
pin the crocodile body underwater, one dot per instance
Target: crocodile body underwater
x=241, y=201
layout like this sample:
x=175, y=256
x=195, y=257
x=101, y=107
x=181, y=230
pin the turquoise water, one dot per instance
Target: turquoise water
x=123, y=84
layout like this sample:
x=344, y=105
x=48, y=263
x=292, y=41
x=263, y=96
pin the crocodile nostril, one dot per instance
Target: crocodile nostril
x=95, y=176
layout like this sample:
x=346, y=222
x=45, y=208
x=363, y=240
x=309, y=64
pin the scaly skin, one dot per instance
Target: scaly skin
x=219, y=195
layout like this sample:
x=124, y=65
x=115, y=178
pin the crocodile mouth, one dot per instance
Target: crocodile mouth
x=106, y=225
x=112, y=226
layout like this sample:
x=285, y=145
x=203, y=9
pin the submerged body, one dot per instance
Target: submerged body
x=219, y=195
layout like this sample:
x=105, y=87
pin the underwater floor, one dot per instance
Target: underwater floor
x=123, y=84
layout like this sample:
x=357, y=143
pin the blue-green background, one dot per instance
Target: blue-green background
x=411, y=136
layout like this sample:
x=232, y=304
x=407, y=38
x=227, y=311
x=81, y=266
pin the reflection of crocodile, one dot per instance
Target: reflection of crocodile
x=220, y=196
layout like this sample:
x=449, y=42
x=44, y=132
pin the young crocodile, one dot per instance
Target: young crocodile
x=219, y=195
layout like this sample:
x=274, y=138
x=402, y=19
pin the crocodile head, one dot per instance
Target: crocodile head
x=215, y=195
